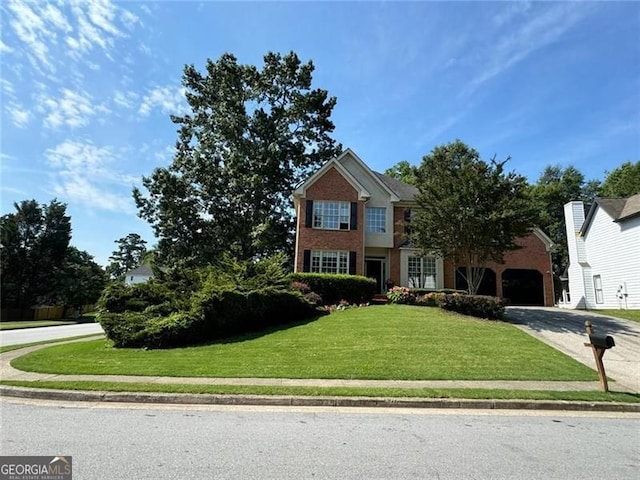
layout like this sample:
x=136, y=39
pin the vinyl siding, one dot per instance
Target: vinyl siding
x=613, y=251
x=379, y=198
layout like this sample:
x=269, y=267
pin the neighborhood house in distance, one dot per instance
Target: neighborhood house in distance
x=352, y=220
x=139, y=274
x=604, y=254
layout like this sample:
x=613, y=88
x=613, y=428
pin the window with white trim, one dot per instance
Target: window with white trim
x=376, y=219
x=597, y=285
x=327, y=261
x=331, y=215
x=422, y=272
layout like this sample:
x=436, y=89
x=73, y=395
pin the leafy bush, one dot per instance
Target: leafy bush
x=313, y=298
x=301, y=287
x=336, y=287
x=124, y=329
x=214, y=302
x=119, y=298
x=229, y=312
x=425, y=291
x=400, y=295
x=475, y=305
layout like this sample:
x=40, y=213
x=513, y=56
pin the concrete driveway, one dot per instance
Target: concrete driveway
x=565, y=331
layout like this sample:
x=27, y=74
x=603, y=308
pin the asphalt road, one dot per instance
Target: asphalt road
x=124, y=442
x=28, y=335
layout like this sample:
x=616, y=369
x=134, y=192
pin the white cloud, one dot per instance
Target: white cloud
x=125, y=99
x=19, y=114
x=75, y=187
x=540, y=29
x=129, y=19
x=69, y=108
x=4, y=48
x=88, y=174
x=82, y=25
x=31, y=30
x=169, y=100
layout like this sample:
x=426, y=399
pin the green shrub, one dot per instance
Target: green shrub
x=124, y=329
x=336, y=287
x=475, y=305
x=119, y=298
x=232, y=312
x=425, y=291
x=177, y=329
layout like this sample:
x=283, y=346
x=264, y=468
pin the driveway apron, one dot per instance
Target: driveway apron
x=565, y=331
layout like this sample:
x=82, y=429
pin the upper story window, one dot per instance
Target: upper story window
x=331, y=215
x=376, y=219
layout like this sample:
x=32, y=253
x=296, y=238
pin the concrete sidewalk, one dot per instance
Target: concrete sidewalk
x=565, y=331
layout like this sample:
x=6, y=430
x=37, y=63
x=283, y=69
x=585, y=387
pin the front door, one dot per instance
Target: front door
x=375, y=268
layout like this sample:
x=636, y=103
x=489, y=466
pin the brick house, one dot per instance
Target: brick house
x=352, y=220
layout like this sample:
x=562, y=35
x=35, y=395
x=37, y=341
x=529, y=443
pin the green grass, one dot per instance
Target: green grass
x=467, y=393
x=8, y=348
x=378, y=342
x=628, y=314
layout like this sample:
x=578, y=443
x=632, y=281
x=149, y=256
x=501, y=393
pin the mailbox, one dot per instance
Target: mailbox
x=602, y=341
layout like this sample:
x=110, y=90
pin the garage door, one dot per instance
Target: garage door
x=523, y=287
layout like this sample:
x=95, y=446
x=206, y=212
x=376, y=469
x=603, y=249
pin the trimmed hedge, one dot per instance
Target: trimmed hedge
x=119, y=298
x=475, y=305
x=214, y=315
x=333, y=288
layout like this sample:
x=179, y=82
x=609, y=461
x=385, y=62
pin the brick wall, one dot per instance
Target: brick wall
x=532, y=256
x=331, y=186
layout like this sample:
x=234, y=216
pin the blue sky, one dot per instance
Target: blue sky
x=88, y=86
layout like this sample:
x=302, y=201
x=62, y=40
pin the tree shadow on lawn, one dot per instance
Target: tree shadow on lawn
x=569, y=321
x=243, y=337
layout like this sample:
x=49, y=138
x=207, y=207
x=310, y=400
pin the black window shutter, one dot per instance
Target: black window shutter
x=354, y=216
x=407, y=221
x=306, y=261
x=352, y=263
x=308, y=218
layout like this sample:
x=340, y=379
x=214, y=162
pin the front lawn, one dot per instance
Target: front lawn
x=628, y=314
x=378, y=342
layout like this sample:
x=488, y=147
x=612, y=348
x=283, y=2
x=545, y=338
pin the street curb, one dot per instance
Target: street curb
x=312, y=401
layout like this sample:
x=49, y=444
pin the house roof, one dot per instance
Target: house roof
x=403, y=191
x=619, y=209
x=140, y=271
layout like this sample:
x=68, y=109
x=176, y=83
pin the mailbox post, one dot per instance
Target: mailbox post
x=599, y=344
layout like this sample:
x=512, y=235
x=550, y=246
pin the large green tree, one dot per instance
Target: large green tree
x=251, y=135
x=623, y=181
x=130, y=253
x=555, y=187
x=470, y=210
x=80, y=281
x=35, y=239
x=403, y=171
